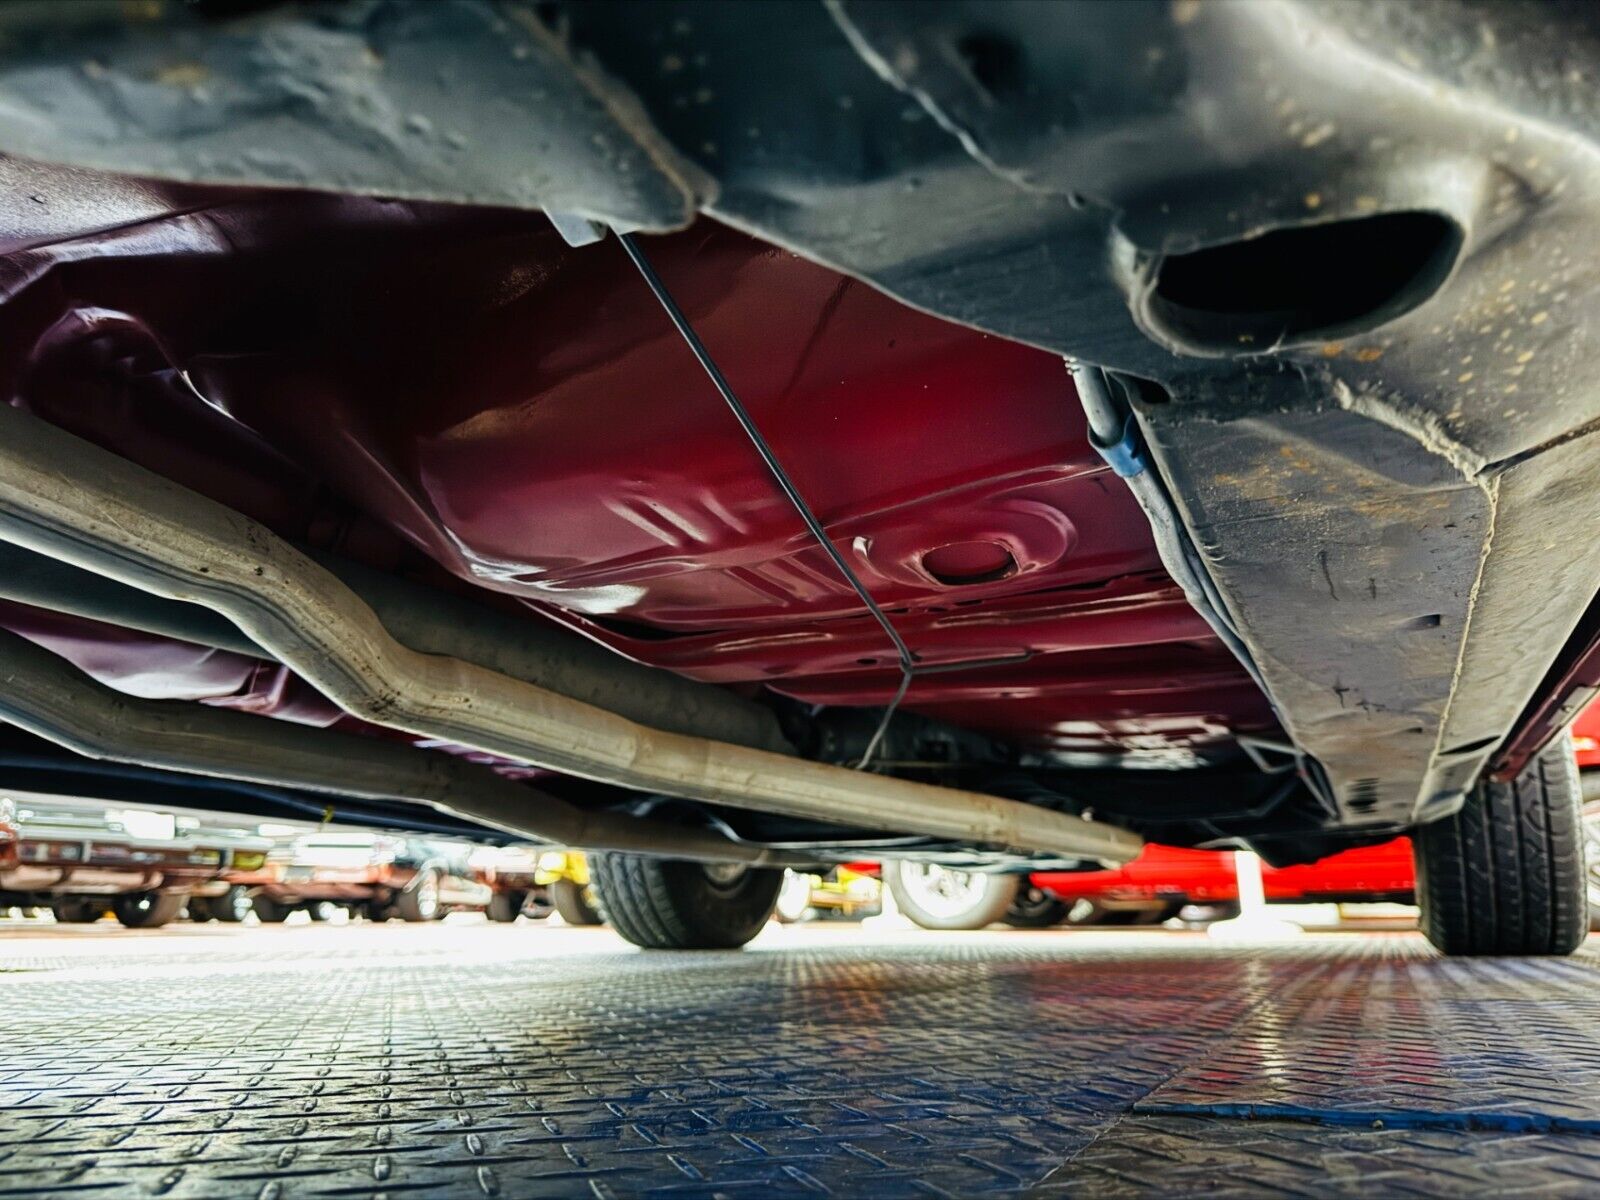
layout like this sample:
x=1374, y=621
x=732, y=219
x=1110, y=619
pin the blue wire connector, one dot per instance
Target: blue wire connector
x=1126, y=455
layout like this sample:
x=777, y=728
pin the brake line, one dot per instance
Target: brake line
x=908, y=660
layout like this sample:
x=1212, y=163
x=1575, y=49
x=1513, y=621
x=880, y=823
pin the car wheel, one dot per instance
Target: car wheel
x=537, y=907
x=1591, y=858
x=232, y=906
x=420, y=901
x=1035, y=908
x=78, y=912
x=1505, y=875
x=937, y=897
x=1197, y=916
x=662, y=904
x=506, y=907
x=572, y=901
x=268, y=911
x=147, y=910
x=794, y=899
x=322, y=910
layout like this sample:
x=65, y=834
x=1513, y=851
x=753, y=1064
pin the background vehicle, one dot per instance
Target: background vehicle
x=565, y=873
x=512, y=874
x=235, y=901
x=1164, y=879
x=1152, y=888
x=1143, y=420
x=83, y=860
x=848, y=892
x=377, y=875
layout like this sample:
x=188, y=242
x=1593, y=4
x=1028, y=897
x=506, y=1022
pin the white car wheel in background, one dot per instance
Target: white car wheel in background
x=794, y=898
x=938, y=897
x=420, y=901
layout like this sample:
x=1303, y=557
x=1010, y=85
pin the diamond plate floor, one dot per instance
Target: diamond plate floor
x=476, y=1060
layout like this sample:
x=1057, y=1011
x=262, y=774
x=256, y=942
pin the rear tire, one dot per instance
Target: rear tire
x=506, y=907
x=937, y=897
x=574, y=906
x=269, y=911
x=232, y=906
x=78, y=912
x=420, y=901
x=537, y=906
x=1035, y=908
x=321, y=910
x=1505, y=875
x=668, y=905
x=148, y=910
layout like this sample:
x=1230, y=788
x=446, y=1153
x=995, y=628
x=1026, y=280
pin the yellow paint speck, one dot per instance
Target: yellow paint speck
x=183, y=75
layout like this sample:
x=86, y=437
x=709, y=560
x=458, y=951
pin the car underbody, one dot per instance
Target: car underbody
x=1190, y=397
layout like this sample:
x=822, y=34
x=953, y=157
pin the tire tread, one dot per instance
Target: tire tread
x=656, y=904
x=1505, y=875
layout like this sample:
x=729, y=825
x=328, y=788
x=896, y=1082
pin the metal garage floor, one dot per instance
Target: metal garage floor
x=473, y=1060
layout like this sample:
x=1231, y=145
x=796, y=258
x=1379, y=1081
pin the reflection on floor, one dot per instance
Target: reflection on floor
x=469, y=1059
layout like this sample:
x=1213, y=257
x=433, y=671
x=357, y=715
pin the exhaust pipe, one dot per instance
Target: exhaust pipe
x=46, y=695
x=432, y=622
x=67, y=498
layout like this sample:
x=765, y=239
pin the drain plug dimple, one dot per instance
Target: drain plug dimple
x=961, y=563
